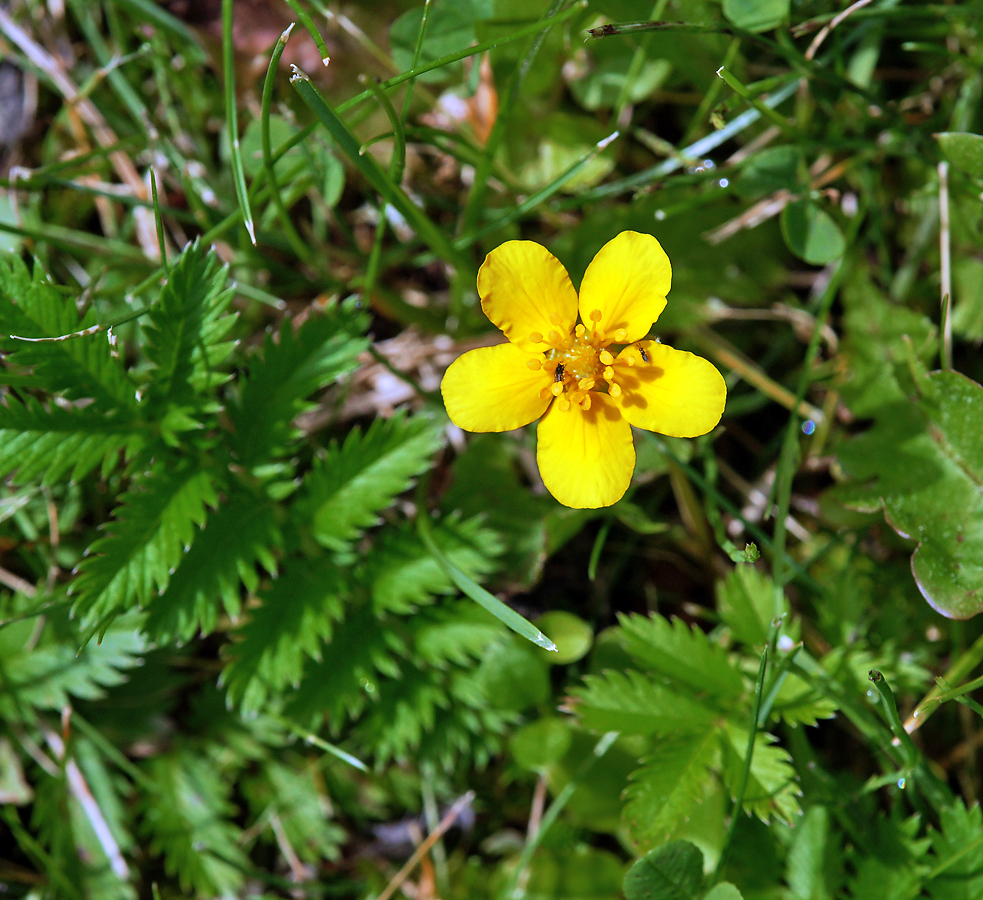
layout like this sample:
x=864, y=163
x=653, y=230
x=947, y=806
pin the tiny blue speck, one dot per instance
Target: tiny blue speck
x=808, y=426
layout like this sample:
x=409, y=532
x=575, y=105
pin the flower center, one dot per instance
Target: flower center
x=580, y=363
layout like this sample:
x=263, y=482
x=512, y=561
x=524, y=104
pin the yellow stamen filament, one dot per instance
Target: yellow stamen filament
x=556, y=388
x=534, y=364
x=536, y=338
x=605, y=357
x=615, y=390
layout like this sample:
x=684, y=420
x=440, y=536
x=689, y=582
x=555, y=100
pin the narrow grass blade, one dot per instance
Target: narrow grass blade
x=308, y=23
x=509, y=617
x=159, y=222
x=321, y=744
x=232, y=119
x=762, y=108
x=398, y=163
x=371, y=171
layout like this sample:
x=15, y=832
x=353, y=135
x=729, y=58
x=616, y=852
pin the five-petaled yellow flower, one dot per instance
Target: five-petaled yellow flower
x=590, y=391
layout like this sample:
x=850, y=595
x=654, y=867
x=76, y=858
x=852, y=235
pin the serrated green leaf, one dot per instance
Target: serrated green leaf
x=225, y=557
x=295, y=619
x=187, y=822
x=670, y=784
x=682, y=655
x=348, y=487
x=671, y=872
x=748, y=602
x=46, y=673
x=153, y=528
x=799, y=704
x=922, y=462
x=46, y=443
x=957, y=847
x=81, y=368
x=403, y=575
x=186, y=329
x=807, y=871
x=964, y=150
x=772, y=788
x=292, y=365
x=455, y=632
x=632, y=703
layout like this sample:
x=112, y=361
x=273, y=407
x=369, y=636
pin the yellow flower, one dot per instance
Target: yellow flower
x=590, y=391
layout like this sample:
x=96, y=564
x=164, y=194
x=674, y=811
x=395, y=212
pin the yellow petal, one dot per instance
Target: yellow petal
x=627, y=281
x=493, y=389
x=674, y=393
x=586, y=458
x=525, y=290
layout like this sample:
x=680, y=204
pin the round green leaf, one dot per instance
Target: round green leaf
x=541, y=743
x=963, y=150
x=811, y=234
x=724, y=891
x=571, y=634
x=756, y=15
x=770, y=170
x=673, y=871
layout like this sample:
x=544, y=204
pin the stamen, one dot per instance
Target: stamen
x=614, y=390
x=535, y=364
x=565, y=405
x=555, y=319
x=545, y=394
x=630, y=360
x=605, y=357
x=585, y=403
x=608, y=374
x=586, y=384
x=595, y=315
x=620, y=335
x=577, y=396
x=556, y=388
x=536, y=337
x=580, y=331
x=554, y=337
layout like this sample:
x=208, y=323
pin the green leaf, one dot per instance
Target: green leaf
x=748, y=602
x=292, y=365
x=963, y=150
x=772, y=788
x=957, y=847
x=757, y=15
x=632, y=703
x=682, y=655
x=723, y=891
x=665, y=791
x=153, y=528
x=450, y=27
x=967, y=313
x=224, y=558
x=187, y=821
x=295, y=619
x=46, y=443
x=352, y=483
x=772, y=169
x=403, y=575
x=922, y=462
x=571, y=634
x=187, y=327
x=455, y=632
x=47, y=672
x=671, y=872
x=540, y=743
x=811, y=234
x=81, y=368
x=808, y=872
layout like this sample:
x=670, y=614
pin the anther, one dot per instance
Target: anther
x=608, y=373
x=534, y=364
x=595, y=315
x=545, y=394
x=586, y=384
x=585, y=403
x=580, y=331
x=605, y=357
x=577, y=396
x=630, y=360
x=620, y=335
x=565, y=405
x=556, y=388
x=554, y=337
x=536, y=338
x=615, y=390
x=555, y=319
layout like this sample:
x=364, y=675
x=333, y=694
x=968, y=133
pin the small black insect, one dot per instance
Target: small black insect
x=558, y=374
x=641, y=350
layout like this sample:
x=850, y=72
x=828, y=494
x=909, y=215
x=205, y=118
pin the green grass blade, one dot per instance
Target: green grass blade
x=308, y=23
x=232, y=119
